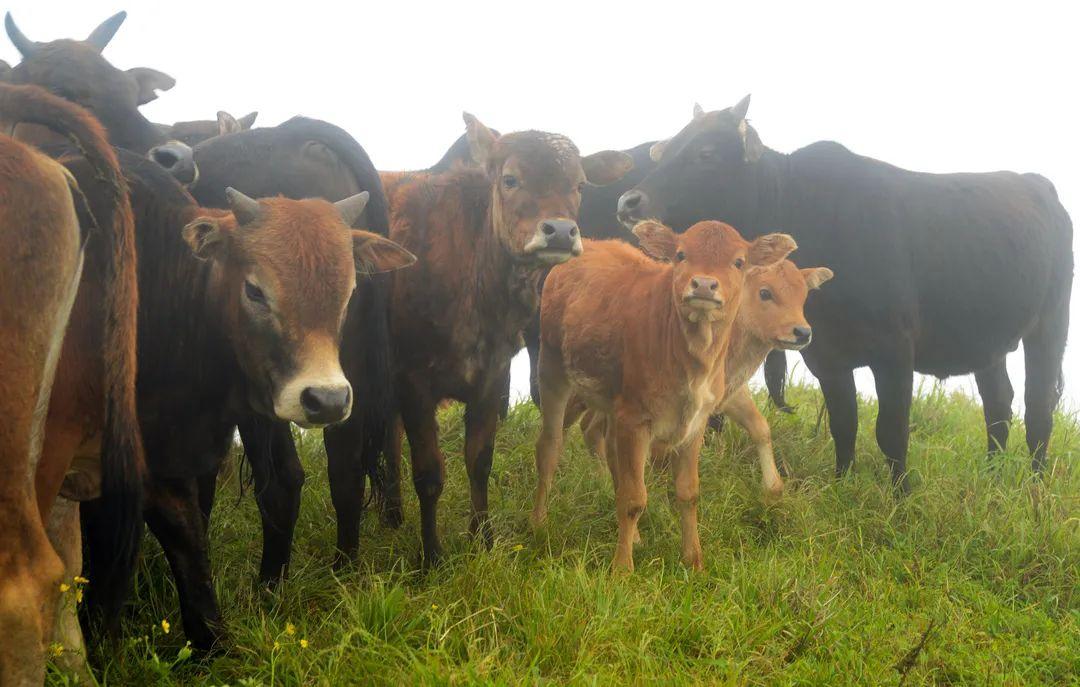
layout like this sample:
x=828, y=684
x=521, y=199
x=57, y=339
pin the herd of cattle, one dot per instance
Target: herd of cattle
x=163, y=286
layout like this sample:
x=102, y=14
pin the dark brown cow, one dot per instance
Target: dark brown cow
x=92, y=366
x=75, y=70
x=484, y=235
x=199, y=130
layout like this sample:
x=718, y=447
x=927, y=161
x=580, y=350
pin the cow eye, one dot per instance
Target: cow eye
x=510, y=181
x=680, y=256
x=738, y=263
x=254, y=293
x=765, y=294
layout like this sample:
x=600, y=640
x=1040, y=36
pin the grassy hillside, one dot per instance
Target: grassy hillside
x=840, y=583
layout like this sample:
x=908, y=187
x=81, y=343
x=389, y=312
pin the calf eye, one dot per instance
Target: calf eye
x=680, y=256
x=510, y=181
x=765, y=294
x=738, y=263
x=254, y=293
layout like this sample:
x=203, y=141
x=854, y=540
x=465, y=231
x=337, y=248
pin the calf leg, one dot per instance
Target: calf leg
x=279, y=478
x=392, y=515
x=839, y=391
x=347, y=484
x=481, y=423
x=632, y=448
x=997, y=396
x=893, y=383
x=744, y=412
x=428, y=467
x=65, y=535
x=1044, y=348
x=554, y=396
x=685, y=476
x=175, y=519
x=532, y=345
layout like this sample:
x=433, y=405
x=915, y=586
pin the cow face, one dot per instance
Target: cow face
x=709, y=263
x=537, y=179
x=197, y=131
x=75, y=70
x=287, y=269
x=697, y=170
x=773, y=299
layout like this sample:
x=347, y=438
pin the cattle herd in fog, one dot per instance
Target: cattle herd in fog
x=163, y=286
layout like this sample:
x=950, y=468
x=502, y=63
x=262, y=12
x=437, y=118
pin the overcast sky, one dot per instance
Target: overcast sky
x=931, y=86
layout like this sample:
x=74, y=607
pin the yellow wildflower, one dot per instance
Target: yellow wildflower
x=56, y=649
x=290, y=629
x=165, y=626
x=78, y=596
x=518, y=547
x=277, y=645
x=81, y=580
x=303, y=643
x=64, y=587
x=434, y=607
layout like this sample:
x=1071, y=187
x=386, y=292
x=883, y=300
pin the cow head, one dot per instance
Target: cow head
x=197, y=131
x=537, y=179
x=76, y=70
x=709, y=263
x=699, y=172
x=287, y=269
x=773, y=299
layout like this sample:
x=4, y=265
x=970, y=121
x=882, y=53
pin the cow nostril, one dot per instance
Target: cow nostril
x=311, y=400
x=802, y=332
x=573, y=231
x=548, y=228
x=713, y=286
x=165, y=158
x=694, y=283
x=325, y=404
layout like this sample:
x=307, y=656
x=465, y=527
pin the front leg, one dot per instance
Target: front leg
x=428, y=465
x=481, y=424
x=631, y=497
x=279, y=478
x=893, y=382
x=744, y=412
x=685, y=475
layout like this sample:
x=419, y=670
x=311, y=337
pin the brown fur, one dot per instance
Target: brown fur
x=632, y=338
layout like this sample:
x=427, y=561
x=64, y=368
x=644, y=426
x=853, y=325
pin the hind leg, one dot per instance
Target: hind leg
x=839, y=391
x=997, y=396
x=532, y=344
x=554, y=396
x=893, y=382
x=65, y=534
x=481, y=423
x=1044, y=349
x=346, y=486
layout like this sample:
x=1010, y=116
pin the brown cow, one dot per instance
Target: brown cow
x=644, y=342
x=484, y=236
x=770, y=317
x=92, y=365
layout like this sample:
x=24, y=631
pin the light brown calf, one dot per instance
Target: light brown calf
x=644, y=342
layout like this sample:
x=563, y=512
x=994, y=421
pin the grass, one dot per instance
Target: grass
x=972, y=579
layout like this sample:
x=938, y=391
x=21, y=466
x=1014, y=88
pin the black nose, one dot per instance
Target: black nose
x=802, y=334
x=704, y=287
x=178, y=158
x=632, y=206
x=559, y=234
x=324, y=405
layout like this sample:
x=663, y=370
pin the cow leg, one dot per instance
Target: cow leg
x=392, y=513
x=176, y=520
x=894, y=386
x=207, y=493
x=554, y=397
x=279, y=479
x=65, y=534
x=1044, y=348
x=776, y=379
x=631, y=497
x=428, y=467
x=532, y=345
x=684, y=473
x=997, y=396
x=842, y=404
x=347, y=484
x=745, y=413
x=481, y=423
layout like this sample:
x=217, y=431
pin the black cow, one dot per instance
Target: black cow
x=938, y=273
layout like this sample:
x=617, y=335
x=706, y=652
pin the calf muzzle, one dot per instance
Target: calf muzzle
x=325, y=405
x=555, y=241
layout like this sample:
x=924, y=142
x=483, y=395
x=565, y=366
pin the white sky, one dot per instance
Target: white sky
x=931, y=86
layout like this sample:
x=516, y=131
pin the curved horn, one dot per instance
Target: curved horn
x=245, y=209
x=699, y=111
x=352, y=207
x=24, y=45
x=104, y=33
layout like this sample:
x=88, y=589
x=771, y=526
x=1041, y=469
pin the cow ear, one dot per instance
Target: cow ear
x=699, y=111
x=375, y=254
x=206, y=238
x=227, y=124
x=481, y=139
x=148, y=82
x=751, y=143
x=656, y=239
x=657, y=150
x=606, y=167
x=816, y=276
x=248, y=120
x=770, y=249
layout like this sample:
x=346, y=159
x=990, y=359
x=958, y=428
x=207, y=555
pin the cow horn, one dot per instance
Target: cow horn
x=699, y=111
x=245, y=209
x=352, y=207
x=24, y=45
x=104, y=33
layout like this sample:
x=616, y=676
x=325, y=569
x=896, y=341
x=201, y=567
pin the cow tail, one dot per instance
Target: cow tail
x=123, y=464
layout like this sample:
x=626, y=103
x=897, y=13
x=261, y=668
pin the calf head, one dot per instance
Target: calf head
x=537, y=179
x=773, y=299
x=75, y=70
x=287, y=270
x=709, y=264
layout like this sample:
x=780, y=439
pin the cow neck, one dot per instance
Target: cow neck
x=132, y=131
x=746, y=351
x=698, y=347
x=754, y=203
x=508, y=289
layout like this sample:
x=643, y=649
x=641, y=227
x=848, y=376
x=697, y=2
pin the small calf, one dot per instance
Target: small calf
x=644, y=343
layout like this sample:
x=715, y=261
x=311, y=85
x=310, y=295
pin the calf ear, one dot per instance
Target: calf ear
x=770, y=249
x=481, y=139
x=657, y=150
x=606, y=167
x=227, y=124
x=375, y=254
x=148, y=81
x=206, y=238
x=248, y=120
x=816, y=276
x=656, y=239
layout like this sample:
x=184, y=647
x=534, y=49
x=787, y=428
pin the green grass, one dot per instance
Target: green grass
x=837, y=584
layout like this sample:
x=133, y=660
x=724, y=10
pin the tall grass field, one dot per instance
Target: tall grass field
x=972, y=579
